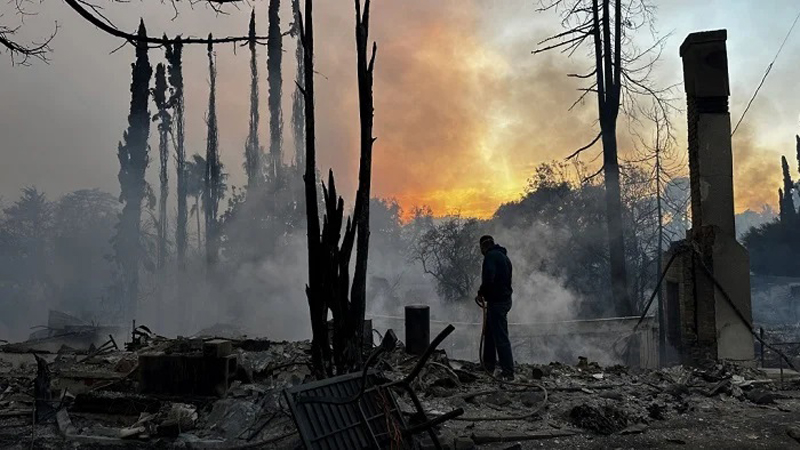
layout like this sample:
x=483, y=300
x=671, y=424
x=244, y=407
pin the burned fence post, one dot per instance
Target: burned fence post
x=418, y=328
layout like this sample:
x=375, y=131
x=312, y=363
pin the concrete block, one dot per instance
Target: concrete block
x=217, y=348
x=185, y=374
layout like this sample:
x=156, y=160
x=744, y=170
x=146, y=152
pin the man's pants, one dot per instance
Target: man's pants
x=496, y=343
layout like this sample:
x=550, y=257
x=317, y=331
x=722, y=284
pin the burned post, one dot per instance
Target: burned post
x=708, y=283
x=418, y=328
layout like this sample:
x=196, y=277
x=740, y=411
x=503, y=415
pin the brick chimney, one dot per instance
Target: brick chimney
x=702, y=323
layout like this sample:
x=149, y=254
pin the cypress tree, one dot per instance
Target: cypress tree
x=787, y=211
x=298, y=107
x=274, y=56
x=164, y=125
x=252, y=146
x=797, y=149
x=133, y=160
x=174, y=54
x=213, y=170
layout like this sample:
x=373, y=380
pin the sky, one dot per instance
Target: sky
x=464, y=111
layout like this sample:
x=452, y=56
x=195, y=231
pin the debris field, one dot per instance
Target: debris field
x=147, y=395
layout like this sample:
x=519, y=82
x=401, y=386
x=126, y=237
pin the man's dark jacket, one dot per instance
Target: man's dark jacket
x=496, y=276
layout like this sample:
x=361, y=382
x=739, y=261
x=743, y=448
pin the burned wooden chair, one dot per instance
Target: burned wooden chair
x=359, y=411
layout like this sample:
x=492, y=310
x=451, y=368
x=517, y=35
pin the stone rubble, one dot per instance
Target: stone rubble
x=98, y=403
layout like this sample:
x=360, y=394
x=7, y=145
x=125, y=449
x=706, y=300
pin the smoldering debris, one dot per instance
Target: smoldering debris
x=98, y=399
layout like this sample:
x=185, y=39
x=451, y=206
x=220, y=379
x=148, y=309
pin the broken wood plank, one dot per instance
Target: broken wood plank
x=490, y=438
x=16, y=413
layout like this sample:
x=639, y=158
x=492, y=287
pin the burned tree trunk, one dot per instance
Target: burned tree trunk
x=174, y=55
x=329, y=260
x=336, y=278
x=164, y=125
x=133, y=161
x=274, y=57
x=365, y=67
x=252, y=146
x=213, y=172
x=318, y=309
x=590, y=21
x=608, y=89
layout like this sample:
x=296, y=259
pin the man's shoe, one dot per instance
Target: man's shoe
x=507, y=376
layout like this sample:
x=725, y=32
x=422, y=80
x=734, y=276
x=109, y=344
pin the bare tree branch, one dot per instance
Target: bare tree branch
x=585, y=147
x=77, y=5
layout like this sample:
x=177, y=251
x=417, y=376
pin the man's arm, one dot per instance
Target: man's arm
x=488, y=273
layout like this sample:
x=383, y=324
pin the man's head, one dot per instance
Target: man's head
x=486, y=242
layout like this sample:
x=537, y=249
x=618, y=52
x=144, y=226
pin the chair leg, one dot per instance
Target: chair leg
x=421, y=411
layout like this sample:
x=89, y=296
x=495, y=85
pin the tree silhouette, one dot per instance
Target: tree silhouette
x=298, y=108
x=213, y=187
x=788, y=213
x=174, y=56
x=195, y=187
x=620, y=73
x=133, y=160
x=274, y=58
x=164, y=126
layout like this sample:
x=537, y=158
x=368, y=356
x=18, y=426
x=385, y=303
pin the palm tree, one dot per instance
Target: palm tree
x=195, y=184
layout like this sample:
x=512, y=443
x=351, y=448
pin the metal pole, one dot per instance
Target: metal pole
x=761, y=334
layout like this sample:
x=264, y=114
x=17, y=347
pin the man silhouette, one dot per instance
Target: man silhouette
x=496, y=291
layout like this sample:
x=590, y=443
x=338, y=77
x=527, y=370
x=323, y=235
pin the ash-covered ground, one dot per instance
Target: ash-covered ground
x=96, y=401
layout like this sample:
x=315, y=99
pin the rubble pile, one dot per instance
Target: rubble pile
x=97, y=398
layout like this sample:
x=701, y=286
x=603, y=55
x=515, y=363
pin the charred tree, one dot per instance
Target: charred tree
x=335, y=279
x=252, y=146
x=174, y=55
x=21, y=53
x=318, y=309
x=298, y=111
x=213, y=171
x=365, y=67
x=95, y=18
x=274, y=57
x=617, y=66
x=133, y=160
x=330, y=252
x=164, y=125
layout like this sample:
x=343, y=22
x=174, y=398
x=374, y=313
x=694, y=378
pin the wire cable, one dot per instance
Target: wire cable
x=529, y=414
x=766, y=73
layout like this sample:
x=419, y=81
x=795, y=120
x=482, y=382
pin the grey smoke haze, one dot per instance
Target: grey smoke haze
x=463, y=115
x=456, y=88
